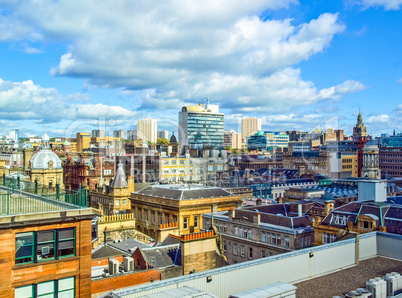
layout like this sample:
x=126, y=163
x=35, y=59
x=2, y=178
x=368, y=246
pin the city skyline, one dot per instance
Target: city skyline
x=292, y=64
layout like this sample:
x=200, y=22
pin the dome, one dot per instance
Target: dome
x=41, y=160
x=173, y=139
x=66, y=143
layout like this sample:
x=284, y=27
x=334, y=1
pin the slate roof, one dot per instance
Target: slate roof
x=105, y=251
x=278, y=219
x=120, y=180
x=127, y=244
x=158, y=257
x=184, y=192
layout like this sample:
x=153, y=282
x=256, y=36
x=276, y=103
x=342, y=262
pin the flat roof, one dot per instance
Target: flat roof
x=343, y=281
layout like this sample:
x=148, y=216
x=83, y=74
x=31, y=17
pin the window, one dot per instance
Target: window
x=250, y=252
x=224, y=245
x=140, y=214
x=240, y=232
x=278, y=239
x=286, y=241
x=235, y=249
x=124, y=202
x=245, y=234
x=44, y=245
x=153, y=217
x=117, y=202
x=56, y=288
x=236, y=231
x=274, y=239
x=146, y=215
x=268, y=238
x=196, y=221
x=160, y=218
x=242, y=250
x=263, y=254
x=185, y=223
x=249, y=234
x=263, y=238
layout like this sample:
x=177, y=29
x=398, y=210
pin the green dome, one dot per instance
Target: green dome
x=66, y=143
x=260, y=133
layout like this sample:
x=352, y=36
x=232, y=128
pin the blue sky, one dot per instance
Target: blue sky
x=75, y=66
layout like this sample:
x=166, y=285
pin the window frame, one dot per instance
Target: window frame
x=57, y=240
x=185, y=223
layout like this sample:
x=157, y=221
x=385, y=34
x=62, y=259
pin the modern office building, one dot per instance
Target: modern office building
x=15, y=135
x=147, y=129
x=232, y=139
x=163, y=134
x=131, y=134
x=250, y=126
x=98, y=133
x=119, y=134
x=199, y=126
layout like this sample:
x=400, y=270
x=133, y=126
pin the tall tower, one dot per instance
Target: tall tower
x=199, y=126
x=147, y=129
x=250, y=126
x=359, y=130
x=371, y=162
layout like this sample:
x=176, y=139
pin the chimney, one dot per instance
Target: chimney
x=231, y=214
x=256, y=218
x=299, y=210
x=329, y=205
x=130, y=182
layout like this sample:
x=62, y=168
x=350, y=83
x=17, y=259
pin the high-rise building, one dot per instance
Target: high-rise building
x=201, y=126
x=98, y=133
x=163, y=134
x=232, y=139
x=250, y=126
x=15, y=135
x=119, y=134
x=131, y=134
x=147, y=129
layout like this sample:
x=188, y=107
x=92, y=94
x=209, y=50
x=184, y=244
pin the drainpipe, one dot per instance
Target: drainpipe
x=357, y=249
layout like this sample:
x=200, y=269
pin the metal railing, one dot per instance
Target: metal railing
x=18, y=196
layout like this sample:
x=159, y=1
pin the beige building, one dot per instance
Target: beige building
x=161, y=210
x=46, y=166
x=147, y=129
x=179, y=168
x=232, y=139
x=115, y=198
x=250, y=126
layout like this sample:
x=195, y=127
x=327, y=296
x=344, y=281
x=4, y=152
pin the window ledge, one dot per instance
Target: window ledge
x=28, y=265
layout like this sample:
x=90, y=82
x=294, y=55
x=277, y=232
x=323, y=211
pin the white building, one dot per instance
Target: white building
x=250, y=126
x=147, y=129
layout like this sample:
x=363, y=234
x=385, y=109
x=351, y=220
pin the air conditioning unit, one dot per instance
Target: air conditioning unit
x=364, y=293
x=378, y=287
x=45, y=250
x=113, y=266
x=394, y=283
x=128, y=264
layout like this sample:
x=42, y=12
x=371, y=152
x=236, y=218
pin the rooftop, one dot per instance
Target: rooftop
x=184, y=191
x=345, y=280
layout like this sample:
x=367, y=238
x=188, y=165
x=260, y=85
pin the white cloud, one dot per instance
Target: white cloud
x=25, y=100
x=387, y=4
x=379, y=119
x=172, y=53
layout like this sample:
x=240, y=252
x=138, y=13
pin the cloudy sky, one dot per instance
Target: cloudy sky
x=76, y=65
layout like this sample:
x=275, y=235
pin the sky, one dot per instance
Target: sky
x=68, y=66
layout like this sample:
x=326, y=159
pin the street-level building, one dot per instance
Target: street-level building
x=177, y=209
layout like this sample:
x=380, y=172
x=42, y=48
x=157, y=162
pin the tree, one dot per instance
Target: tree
x=162, y=141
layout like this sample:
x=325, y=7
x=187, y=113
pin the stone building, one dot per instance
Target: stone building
x=371, y=162
x=261, y=231
x=114, y=198
x=45, y=249
x=161, y=210
x=46, y=166
x=360, y=130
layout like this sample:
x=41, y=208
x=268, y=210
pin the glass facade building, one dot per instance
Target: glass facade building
x=200, y=127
